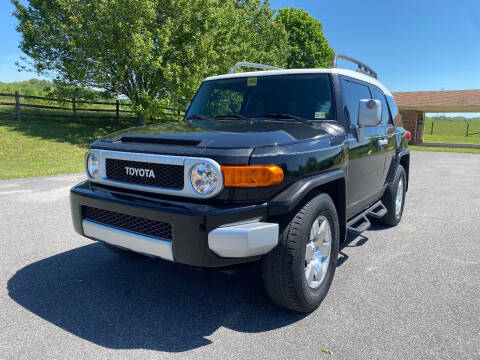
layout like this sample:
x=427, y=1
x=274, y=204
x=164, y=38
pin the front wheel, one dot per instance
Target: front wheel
x=297, y=274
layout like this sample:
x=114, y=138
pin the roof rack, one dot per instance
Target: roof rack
x=362, y=68
x=252, y=65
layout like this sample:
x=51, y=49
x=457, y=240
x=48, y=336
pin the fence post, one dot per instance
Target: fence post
x=431, y=130
x=74, y=108
x=117, y=111
x=17, y=105
x=466, y=133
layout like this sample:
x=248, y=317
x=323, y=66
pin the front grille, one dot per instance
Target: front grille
x=165, y=175
x=158, y=229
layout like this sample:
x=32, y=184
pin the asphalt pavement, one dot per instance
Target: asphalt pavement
x=407, y=292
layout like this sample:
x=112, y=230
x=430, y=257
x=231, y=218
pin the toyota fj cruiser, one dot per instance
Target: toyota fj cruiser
x=272, y=166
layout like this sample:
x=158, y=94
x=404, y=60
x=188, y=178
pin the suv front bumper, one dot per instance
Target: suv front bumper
x=201, y=235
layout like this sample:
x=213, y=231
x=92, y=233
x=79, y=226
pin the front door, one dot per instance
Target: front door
x=366, y=155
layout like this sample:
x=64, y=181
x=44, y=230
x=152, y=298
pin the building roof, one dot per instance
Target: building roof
x=439, y=101
x=346, y=72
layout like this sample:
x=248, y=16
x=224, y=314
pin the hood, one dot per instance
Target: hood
x=225, y=133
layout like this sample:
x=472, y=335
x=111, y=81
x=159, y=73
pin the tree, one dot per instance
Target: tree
x=155, y=52
x=308, y=46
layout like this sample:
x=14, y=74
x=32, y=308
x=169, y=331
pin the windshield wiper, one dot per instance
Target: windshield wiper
x=281, y=116
x=197, y=117
x=234, y=116
x=218, y=117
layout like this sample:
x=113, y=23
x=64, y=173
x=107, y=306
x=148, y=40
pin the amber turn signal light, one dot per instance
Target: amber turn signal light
x=251, y=175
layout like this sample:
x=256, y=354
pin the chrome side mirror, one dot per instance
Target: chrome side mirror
x=369, y=112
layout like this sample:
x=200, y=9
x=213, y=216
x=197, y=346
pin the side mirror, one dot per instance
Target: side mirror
x=369, y=112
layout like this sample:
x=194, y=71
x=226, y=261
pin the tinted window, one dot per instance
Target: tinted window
x=354, y=92
x=394, y=111
x=305, y=95
x=378, y=95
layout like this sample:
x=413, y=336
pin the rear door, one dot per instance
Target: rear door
x=366, y=156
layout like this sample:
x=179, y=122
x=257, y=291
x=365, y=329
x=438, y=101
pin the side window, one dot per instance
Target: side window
x=397, y=120
x=379, y=95
x=354, y=92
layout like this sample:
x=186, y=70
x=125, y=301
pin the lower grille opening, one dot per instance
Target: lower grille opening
x=153, y=228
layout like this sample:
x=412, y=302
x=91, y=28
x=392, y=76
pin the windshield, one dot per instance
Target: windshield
x=307, y=96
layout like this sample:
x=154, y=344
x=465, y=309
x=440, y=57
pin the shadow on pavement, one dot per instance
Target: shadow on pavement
x=352, y=240
x=143, y=303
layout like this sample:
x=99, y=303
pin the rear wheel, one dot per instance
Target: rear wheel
x=394, y=199
x=297, y=274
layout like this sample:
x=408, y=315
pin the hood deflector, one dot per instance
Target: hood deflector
x=158, y=140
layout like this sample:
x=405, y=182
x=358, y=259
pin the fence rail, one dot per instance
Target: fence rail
x=74, y=111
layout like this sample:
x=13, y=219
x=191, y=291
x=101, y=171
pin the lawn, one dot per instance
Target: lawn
x=443, y=149
x=37, y=147
x=48, y=146
x=452, y=132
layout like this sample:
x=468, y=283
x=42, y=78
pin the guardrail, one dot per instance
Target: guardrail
x=76, y=110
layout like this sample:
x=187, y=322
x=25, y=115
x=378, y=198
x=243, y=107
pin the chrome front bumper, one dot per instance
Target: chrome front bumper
x=234, y=241
x=244, y=240
x=128, y=240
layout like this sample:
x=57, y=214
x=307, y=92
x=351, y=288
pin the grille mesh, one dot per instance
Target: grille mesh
x=166, y=175
x=135, y=224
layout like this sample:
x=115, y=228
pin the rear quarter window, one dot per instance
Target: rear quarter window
x=397, y=119
x=379, y=95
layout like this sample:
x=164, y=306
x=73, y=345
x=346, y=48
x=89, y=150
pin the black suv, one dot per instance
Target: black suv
x=271, y=166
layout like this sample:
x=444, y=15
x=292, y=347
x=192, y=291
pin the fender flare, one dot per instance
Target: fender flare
x=393, y=169
x=289, y=198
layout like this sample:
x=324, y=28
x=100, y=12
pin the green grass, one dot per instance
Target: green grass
x=452, y=132
x=37, y=147
x=46, y=146
x=443, y=149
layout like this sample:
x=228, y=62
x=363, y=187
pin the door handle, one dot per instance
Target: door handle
x=382, y=142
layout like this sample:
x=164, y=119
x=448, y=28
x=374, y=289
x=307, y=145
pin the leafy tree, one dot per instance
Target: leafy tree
x=308, y=46
x=155, y=52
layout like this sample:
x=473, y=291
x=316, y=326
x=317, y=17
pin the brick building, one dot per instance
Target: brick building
x=414, y=104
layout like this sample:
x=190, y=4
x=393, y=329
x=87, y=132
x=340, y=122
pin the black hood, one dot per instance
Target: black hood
x=226, y=134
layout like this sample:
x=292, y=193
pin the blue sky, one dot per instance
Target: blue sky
x=412, y=44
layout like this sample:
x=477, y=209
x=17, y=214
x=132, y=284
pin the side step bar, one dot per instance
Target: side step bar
x=360, y=223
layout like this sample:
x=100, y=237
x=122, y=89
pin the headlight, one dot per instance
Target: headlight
x=204, y=178
x=92, y=165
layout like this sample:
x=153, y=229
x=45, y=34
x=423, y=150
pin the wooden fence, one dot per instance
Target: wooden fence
x=467, y=133
x=77, y=108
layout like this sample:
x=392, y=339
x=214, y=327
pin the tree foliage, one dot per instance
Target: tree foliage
x=308, y=46
x=155, y=52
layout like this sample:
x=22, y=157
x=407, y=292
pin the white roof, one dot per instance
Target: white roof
x=346, y=72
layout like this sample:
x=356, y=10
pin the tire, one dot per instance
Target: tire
x=122, y=252
x=285, y=268
x=389, y=199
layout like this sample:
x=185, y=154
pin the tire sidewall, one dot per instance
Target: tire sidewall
x=400, y=175
x=321, y=205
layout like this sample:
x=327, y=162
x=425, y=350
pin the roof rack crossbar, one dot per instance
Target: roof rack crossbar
x=362, y=68
x=252, y=65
